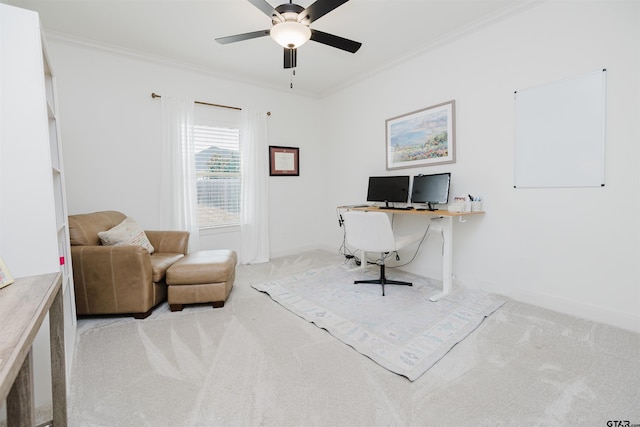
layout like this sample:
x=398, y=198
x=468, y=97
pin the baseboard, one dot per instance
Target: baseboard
x=300, y=249
x=587, y=311
x=592, y=312
x=596, y=313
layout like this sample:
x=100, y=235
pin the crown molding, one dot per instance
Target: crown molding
x=156, y=59
x=497, y=16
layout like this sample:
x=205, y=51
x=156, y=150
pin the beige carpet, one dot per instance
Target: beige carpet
x=254, y=363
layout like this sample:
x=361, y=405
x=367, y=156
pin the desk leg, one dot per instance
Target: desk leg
x=447, y=258
x=20, y=408
x=58, y=364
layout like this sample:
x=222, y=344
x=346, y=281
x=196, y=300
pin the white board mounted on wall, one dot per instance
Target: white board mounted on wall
x=560, y=133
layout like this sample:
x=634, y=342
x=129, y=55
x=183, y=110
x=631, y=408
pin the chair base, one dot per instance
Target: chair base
x=383, y=280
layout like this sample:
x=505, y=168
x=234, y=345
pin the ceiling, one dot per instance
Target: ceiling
x=183, y=31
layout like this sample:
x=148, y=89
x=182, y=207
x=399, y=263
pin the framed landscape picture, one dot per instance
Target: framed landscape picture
x=422, y=138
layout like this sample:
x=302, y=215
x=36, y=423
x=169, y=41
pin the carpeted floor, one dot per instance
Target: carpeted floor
x=255, y=363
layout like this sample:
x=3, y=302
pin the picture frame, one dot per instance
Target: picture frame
x=284, y=161
x=5, y=276
x=424, y=137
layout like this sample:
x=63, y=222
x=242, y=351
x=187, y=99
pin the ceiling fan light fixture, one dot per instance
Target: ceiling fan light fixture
x=290, y=34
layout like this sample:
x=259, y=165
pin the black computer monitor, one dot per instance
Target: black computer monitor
x=431, y=189
x=388, y=189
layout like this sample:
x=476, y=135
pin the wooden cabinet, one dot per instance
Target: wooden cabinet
x=34, y=236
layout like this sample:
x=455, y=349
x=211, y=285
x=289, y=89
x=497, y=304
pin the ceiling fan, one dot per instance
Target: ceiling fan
x=291, y=28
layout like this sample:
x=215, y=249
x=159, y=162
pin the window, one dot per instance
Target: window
x=218, y=177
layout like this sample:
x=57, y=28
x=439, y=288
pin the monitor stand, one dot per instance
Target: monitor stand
x=431, y=206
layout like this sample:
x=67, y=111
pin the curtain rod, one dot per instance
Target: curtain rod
x=155, y=95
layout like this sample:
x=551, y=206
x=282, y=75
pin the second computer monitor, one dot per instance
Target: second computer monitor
x=388, y=189
x=431, y=189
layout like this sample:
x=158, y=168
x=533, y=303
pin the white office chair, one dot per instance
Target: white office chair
x=372, y=232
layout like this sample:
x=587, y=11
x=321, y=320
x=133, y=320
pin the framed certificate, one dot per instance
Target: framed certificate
x=284, y=161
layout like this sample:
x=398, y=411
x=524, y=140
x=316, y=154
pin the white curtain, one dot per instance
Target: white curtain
x=178, y=196
x=254, y=208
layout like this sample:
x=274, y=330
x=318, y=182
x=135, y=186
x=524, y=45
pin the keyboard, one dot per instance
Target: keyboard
x=405, y=208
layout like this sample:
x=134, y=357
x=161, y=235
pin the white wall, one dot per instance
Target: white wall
x=573, y=250
x=111, y=131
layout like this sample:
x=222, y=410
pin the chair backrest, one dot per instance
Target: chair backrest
x=369, y=231
x=84, y=228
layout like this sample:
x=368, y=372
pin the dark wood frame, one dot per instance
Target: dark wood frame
x=294, y=151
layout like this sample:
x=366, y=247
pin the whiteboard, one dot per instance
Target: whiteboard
x=559, y=133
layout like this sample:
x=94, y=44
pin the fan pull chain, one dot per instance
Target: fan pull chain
x=293, y=73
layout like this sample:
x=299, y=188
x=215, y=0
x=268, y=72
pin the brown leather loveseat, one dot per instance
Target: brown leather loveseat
x=120, y=279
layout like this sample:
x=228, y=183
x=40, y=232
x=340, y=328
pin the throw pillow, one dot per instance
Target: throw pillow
x=128, y=233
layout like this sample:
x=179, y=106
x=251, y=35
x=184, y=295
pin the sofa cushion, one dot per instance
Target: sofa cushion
x=212, y=266
x=84, y=228
x=128, y=233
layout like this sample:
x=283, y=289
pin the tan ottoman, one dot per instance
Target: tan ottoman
x=201, y=277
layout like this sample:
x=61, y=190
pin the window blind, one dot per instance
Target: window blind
x=218, y=178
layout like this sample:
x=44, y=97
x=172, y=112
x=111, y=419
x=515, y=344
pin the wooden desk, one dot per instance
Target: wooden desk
x=23, y=306
x=447, y=234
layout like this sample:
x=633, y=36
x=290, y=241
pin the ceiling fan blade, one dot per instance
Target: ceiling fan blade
x=267, y=9
x=290, y=57
x=335, y=41
x=241, y=37
x=318, y=9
